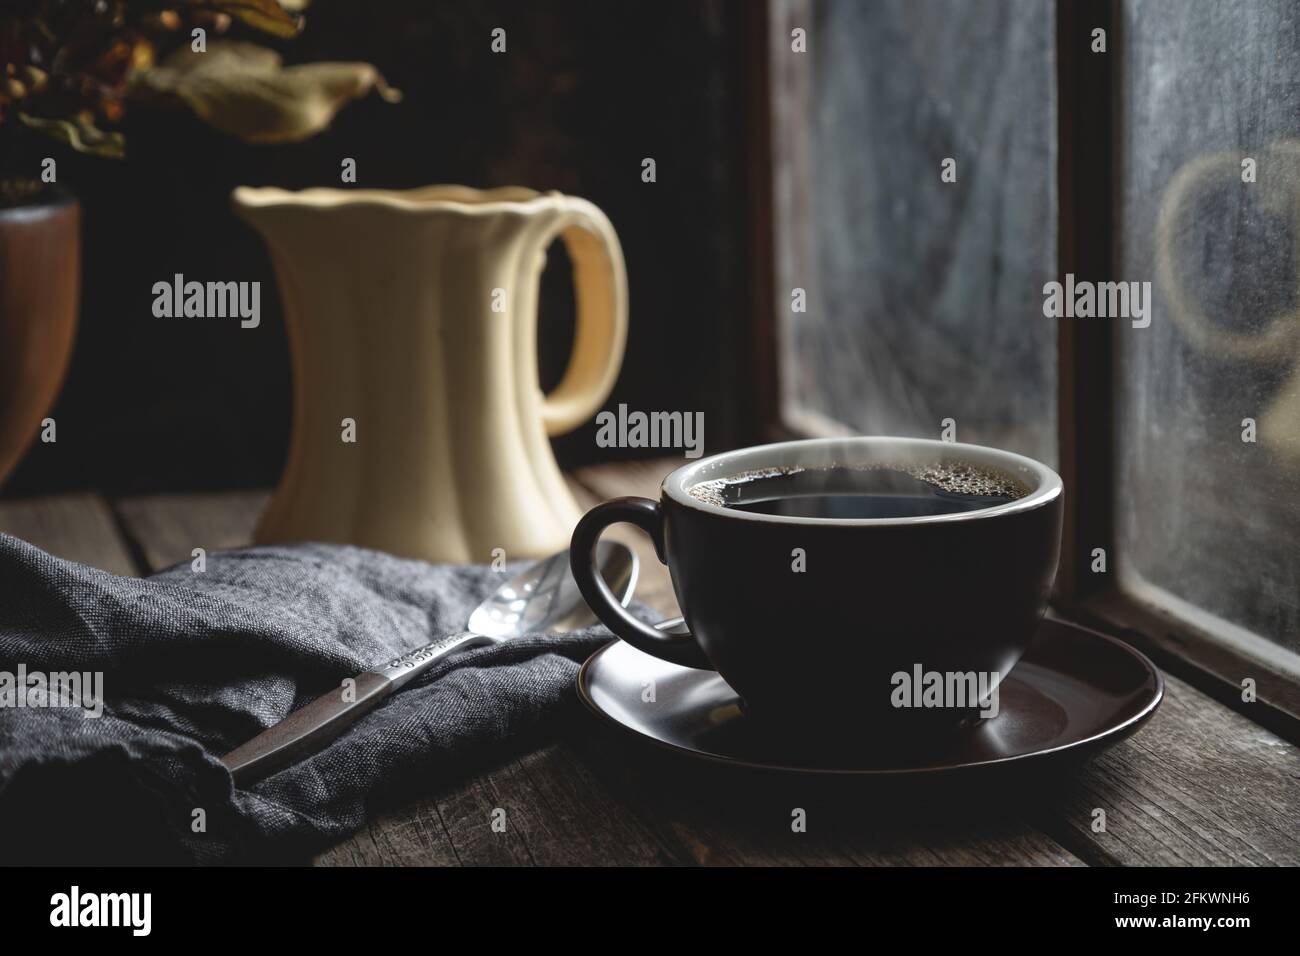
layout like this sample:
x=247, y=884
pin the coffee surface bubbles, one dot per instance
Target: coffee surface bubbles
x=868, y=491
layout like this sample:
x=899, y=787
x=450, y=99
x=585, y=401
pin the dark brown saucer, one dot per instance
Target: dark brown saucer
x=1073, y=693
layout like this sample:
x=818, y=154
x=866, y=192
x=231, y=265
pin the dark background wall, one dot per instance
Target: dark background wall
x=583, y=94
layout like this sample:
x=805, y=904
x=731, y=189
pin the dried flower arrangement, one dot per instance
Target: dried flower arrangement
x=72, y=69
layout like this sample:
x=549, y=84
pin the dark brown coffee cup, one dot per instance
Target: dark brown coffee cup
x=958, y=593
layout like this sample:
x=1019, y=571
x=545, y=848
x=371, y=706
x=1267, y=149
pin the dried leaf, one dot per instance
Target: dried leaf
x=243, y=90
x=269, y=16
x=80, y=135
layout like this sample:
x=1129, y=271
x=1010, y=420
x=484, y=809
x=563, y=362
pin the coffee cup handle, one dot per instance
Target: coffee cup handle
x=677, y=648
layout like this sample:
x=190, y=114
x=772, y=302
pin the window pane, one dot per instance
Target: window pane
x=1208, y=518
x=924, y=297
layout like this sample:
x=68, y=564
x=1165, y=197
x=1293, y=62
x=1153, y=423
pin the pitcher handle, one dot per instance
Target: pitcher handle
x=600, y=333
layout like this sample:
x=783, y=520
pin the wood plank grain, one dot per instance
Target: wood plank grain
x=410, y=836
x=565, y=816
x=167, y=528
x=627, y=477
x=548, y=810
x=77, y=527
x=1199, y=785
x=725, y=817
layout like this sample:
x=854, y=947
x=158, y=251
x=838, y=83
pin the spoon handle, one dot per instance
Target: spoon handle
x=305, y=730
x=402, y=670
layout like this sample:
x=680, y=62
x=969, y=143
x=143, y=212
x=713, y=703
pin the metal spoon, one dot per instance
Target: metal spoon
x=544, y=597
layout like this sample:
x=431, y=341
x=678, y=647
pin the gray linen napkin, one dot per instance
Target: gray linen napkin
x=194, y=663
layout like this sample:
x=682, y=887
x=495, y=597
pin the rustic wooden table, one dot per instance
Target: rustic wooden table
x=1198, y=785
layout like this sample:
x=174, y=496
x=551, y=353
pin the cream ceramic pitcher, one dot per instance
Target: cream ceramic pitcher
x=412, y=316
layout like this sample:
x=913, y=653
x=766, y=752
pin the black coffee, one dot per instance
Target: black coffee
x=875, y=492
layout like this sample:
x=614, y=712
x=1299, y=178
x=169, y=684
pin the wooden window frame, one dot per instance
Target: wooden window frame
x=1088, y=104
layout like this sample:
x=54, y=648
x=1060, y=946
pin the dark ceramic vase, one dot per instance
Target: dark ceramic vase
x=40, y=280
